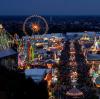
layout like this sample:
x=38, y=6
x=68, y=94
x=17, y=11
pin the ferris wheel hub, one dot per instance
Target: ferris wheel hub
x=35, y=27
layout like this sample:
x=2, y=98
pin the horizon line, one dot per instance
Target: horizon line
x=51, y=15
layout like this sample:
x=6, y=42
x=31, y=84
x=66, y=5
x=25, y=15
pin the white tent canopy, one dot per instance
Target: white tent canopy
x=36, y=74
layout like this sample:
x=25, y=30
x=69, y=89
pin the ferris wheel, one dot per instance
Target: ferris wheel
x=35, y=25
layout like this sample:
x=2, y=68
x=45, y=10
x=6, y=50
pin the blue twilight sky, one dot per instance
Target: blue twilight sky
x=50, y=7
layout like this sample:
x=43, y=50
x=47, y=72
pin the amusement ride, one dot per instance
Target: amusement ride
x=34, y=28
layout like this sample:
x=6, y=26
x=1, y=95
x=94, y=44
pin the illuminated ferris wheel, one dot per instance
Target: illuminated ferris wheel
x=35, y=25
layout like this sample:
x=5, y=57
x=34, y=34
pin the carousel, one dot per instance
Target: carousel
x=86, y=41
x=96, y=46
x=75, y=93
x=87, y=38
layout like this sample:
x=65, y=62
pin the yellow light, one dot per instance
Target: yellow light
x=98, y=85
x=20, y=67
x=35, y=27
x=28, y=67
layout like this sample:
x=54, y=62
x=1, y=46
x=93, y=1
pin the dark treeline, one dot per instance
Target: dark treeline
x=14, y=24
x=18, y=28
x=14, y=85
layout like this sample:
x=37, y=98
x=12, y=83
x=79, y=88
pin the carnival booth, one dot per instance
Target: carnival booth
x=75, y=93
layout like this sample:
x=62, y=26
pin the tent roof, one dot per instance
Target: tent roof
x=74, y=92
x=97, y=80
x=6, y=53
x=36, y=74
x=93, y=57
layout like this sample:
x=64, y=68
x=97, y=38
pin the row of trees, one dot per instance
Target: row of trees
x=14, y=85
